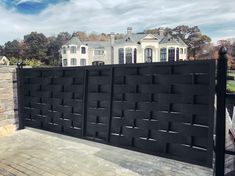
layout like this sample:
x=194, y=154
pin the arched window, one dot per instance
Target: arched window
x=73, y=61
x=73, y=49
x=83, y=50
x=135, y=55
x=128, y=55
x=177, y=54
x=171, y=54
x=148, y=55
x=163, y=55
x=121, y=56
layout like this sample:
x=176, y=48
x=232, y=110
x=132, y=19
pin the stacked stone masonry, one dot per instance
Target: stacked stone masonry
x=8, y=100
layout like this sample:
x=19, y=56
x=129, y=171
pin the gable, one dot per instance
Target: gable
x=150, y=37
x=4, y=61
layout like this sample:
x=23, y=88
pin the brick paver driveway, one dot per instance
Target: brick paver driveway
x=34, y=152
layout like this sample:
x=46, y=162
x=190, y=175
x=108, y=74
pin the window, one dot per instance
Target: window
x=177, y=54
x=82, y=62
x=148, y=55
x=128, y=55
x=73, y=61
x=171, y=54
x=73, y=49
x=83, y=50
x=185, y=51
x=98, y=52
x=135, y=55
x=64, y=50
x=163, y=55
x=65, y=62
x=181, y=51
x=121, y=56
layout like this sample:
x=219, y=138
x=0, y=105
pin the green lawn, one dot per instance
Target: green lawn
x=231, y=73
x=231, y=83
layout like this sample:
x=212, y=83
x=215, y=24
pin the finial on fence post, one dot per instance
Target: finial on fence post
x=20, y=64
x=222, y=52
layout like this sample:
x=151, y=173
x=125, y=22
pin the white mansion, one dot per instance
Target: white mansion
x=133, y=48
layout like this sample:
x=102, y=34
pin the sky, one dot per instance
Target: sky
x=215, y=18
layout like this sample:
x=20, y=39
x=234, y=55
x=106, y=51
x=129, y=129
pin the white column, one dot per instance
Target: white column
x=175, y=53
x=167, y=54
x=132, y=54
x=155, y=58
x=143, y=54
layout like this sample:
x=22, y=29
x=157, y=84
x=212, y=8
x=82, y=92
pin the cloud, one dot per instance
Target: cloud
x=17, y=2
x=214, y=17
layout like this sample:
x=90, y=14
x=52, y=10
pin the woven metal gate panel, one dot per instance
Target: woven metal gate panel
x=98, y=104
x=165, y=109
x=53, y=100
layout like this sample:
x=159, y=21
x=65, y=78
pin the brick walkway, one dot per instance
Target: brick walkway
x=34, y=152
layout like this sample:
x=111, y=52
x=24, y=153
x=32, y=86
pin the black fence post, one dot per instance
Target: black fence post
x=19, y=95
x=220, y=114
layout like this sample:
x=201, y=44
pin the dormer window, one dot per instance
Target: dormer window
x=73, y=49
x=83, y=50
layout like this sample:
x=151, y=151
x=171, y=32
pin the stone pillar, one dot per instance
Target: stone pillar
x=8, y=100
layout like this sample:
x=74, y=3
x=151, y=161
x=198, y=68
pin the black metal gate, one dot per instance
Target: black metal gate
x=165, y=109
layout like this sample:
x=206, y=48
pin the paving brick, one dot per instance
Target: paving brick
x=35, y=152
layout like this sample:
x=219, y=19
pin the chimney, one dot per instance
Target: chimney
x=129, y=31
x=112, y=38
x=161, y=31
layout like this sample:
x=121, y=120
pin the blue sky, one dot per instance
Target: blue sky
x=215, y=18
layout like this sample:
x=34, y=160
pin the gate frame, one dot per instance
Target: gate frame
x=220, y=122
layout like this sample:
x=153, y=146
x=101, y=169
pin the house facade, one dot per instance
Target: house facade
x=133, y=48
x=4, y=60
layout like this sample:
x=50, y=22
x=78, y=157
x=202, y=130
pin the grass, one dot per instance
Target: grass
x=231, y=83
x=231, y=73
x=231, y=86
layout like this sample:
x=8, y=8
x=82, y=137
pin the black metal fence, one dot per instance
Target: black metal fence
x=165, y=109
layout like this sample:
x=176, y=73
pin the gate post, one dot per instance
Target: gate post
x=220, y=114
x=19, y=95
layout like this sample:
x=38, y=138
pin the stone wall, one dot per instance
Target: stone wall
x=8, y=100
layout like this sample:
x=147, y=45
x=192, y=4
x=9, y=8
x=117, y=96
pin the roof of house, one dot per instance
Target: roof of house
x=135, y=38
x=128, y=39
x=170, y=39
x=1, y=57
x=4, y=60
x=74, y=41
x=98, y=44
